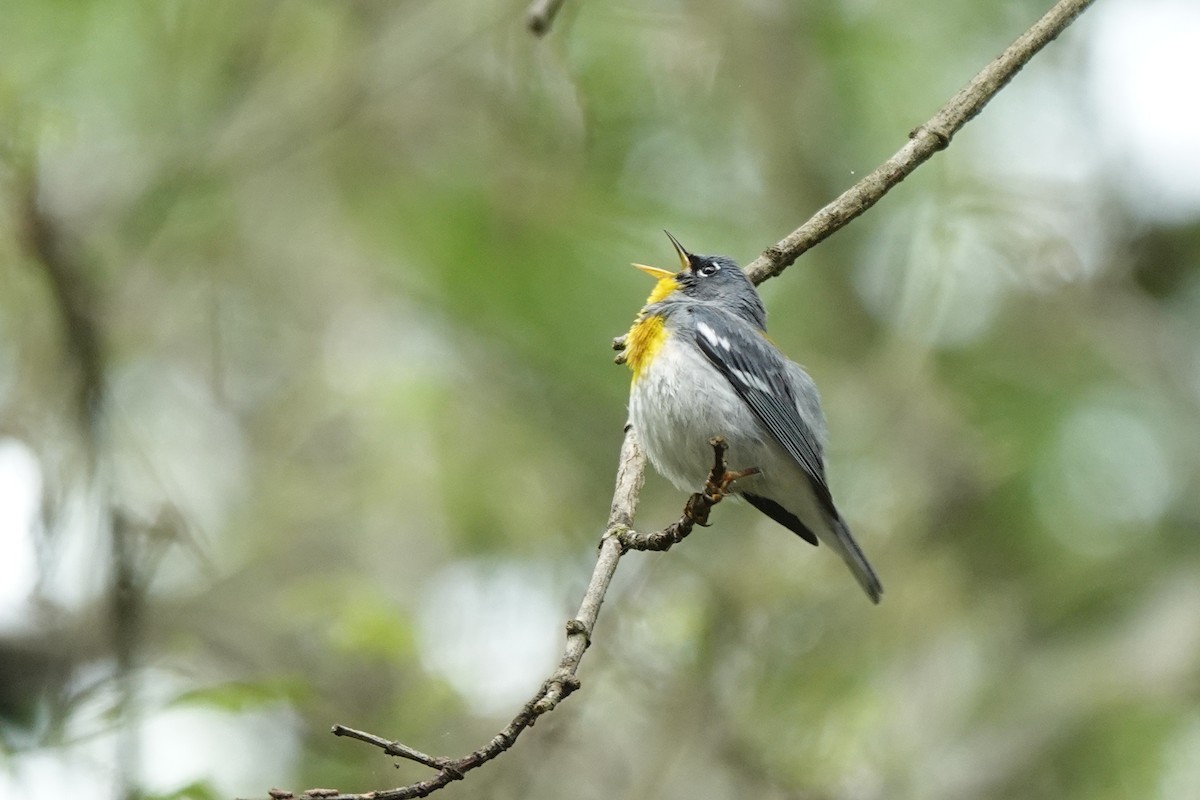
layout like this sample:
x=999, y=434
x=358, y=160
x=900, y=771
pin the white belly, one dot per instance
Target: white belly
x=680, y=402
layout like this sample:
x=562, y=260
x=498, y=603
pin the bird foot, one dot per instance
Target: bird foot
x=717, y=489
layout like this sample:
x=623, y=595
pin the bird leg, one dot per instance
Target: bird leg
x=718, y=488
x=717, y=485
x=721, y=477
x=695, y=512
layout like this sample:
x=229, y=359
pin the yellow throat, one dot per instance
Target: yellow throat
x=647, y=335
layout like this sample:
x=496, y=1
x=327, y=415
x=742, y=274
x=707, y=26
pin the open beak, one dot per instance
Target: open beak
x=655, y=272
x=658, y=273
x=684, y=255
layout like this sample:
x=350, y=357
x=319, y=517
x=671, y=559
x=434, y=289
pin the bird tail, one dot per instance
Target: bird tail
x=842, y=542
x=835, y=535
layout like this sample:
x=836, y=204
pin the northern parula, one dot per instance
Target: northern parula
x=703, y=367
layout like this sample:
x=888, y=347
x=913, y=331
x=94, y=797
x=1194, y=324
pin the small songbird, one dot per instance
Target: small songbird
x=703, y=367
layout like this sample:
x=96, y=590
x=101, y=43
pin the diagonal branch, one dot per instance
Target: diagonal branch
x=556, y=688
x=619, y=536
x=922, y=143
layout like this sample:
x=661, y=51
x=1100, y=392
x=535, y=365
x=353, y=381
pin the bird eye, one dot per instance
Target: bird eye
x=709, y=269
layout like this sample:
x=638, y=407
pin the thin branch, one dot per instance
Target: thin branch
x=561, y=683
x=619, y=536
x=922, y=143
x=540, y=15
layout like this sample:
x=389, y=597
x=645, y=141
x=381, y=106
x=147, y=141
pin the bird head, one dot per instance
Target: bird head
x=715, y=279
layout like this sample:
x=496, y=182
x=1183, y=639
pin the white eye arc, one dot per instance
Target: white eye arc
x=709, y=269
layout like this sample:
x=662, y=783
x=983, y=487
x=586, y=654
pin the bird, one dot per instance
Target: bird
x=703, y=367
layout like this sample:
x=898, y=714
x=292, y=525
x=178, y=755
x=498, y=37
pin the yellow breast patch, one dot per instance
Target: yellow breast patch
x=645, y=339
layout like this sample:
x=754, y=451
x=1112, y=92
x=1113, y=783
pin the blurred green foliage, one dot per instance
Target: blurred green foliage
x=354, y=269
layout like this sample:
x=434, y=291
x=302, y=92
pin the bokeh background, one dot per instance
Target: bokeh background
x=308, y=415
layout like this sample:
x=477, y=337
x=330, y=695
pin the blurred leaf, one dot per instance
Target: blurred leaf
x=236, y=696
x=197, y=790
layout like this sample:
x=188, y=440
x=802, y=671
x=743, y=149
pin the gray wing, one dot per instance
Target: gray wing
x=776, y=390
x=759, y=373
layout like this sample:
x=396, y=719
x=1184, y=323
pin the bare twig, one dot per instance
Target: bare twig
x=562, y=681
x=619, y=536
x=922, y=143
x=540, y=15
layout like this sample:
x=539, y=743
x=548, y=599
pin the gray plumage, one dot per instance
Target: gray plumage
x=718, y=375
